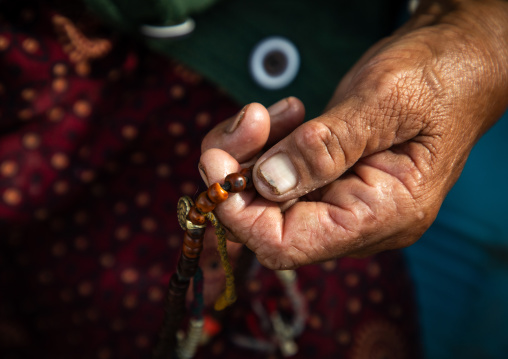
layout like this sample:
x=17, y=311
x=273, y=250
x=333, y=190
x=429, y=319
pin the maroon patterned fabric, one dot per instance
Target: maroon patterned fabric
x=93, y=158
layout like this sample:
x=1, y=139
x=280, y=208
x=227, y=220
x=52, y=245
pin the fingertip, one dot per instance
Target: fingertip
x=275, y=176
x=258, y=111
x=288, y=105
x=243, y=135
x=252, y=114
x=216, y=164
x=256, y=123
x=296, y=106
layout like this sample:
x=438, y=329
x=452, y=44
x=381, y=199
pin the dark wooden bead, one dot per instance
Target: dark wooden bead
x=226, y=186
x=204, y=204
x=177, y=289
x=236, y=181
x=187, y=267
x=196, y=232
x=247, y=173
x=195, y=216
x=217, y=194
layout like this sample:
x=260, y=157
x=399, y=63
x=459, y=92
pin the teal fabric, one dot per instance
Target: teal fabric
x=460, y=265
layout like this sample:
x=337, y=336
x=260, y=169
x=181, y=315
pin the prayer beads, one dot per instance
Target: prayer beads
x=206, y=203
x=192, y=218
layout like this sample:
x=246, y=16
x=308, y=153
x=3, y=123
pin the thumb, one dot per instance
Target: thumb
x=321, y=150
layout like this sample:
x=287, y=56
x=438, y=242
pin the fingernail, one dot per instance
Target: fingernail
x=237, y=120
x=278, y=107
x=202, y=172
x=279, y=173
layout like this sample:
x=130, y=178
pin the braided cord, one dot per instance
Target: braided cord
x=228, y=297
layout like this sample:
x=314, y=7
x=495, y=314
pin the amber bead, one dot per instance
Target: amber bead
x=217, y=194
x=204, y=204
x=191, y=252
x=236, y=181
x=192, y=242
x=247, y=173
x=195, y=217
x=191, y=247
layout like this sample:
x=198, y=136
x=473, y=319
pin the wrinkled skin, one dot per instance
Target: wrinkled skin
x=373, y=170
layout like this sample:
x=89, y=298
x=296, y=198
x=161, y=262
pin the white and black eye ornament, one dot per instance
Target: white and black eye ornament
x=274, y=63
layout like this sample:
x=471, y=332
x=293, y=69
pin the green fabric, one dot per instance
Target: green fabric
x=329, y=34
x=129, y=15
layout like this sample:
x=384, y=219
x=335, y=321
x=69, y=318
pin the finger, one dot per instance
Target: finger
x=377, y=113
x=246, y=134
x=239, y=212
x=280, y=241
x=243, y=135
x=396, y=194
x=285, y=116
x=347, y=218
x=355, y=215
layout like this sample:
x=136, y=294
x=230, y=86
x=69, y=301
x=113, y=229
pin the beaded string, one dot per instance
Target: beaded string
x=229, y=295
x=192, y=218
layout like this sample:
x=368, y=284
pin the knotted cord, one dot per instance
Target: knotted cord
x=228, y=297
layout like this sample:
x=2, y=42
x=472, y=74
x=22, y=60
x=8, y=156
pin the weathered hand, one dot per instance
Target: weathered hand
x=372, y=171
x=243, y=136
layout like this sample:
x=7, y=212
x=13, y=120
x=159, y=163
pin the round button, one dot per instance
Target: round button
x=274, y=63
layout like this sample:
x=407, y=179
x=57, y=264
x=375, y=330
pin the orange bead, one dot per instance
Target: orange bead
x=192, y=242
x=204, y=204
x=236, y=181
x=195, y=217
x=191, y=252
x=192, y=247
x=217, y=194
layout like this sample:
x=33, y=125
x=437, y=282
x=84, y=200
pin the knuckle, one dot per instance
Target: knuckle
x=281, y=256
x=320, y=148
x=270, y=262
x=273, y=259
